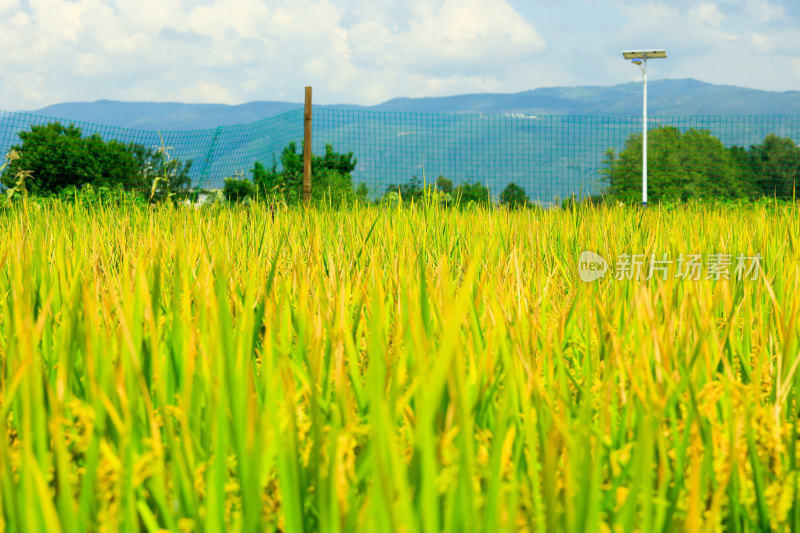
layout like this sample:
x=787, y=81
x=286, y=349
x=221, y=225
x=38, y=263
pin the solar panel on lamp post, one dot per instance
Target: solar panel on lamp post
x=639, y=58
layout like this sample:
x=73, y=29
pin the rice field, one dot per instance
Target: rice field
x=409, y=370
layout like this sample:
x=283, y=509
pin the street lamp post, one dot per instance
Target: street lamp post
x=639, y=58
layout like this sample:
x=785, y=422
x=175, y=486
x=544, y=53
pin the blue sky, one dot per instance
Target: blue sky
x=368, y=51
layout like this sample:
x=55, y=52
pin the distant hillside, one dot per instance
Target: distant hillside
x=667, y=97
x=165, y=116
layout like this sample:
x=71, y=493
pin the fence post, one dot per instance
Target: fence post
x=307, y=150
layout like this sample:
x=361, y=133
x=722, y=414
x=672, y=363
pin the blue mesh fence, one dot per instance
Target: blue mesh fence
x=552, y=157
x=215, y=153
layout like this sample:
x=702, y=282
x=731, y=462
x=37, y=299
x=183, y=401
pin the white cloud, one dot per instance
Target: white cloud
x=366, y=51
x=456, y=45
x=206, y=93
x=459, y=33
x=239, y=50
x=765, y=11
x=706, y=13
x=148, y=16
x=8, y=7
x=723, y=42
x=660, y=24
x=762, y=42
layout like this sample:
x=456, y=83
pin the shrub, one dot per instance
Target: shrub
x=514, y=196
x=331, y=177
x=54, y=158
x=413, y=189
x=444, y=185
x=473, y=192
x=442, y=193
x=59, y=157
x=238, y=189
x=774, y=167
x=17, y=181
x=103, y=195
x=159, y=176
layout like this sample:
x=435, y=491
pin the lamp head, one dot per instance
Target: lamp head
x=644, y=54
x=636, y=60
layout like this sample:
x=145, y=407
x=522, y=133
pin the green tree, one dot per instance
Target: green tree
x=745, y=172
x=160, y=176
x=58, y=157
x=775, y=167
x=441, y=193
x=514, y=196
x=331, y=176
x=444, y=185
x=694, y=164
x=411, y=190
x=475, y=192
x=238, y=189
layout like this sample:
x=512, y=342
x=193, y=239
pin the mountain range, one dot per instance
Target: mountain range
x=666, y=98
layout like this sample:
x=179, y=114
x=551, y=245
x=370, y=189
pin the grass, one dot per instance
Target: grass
x=411, y=370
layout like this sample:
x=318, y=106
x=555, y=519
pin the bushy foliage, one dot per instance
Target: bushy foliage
x=696, y=165
x=417, y=191
x=412, y=190
x=160, y=176
x=88, y=194
x=14, y=186
x=443, y=192
x=53, y=158
x=59, y=156
x=330, y=174
x=444, y=185
x=693, y=164
x=514, y=196
x=473, y=193
x=238, y=189
x=773, y=167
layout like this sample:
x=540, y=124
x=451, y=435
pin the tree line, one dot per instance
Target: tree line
x=58, y=160
x=54, y=159
x=696, y=165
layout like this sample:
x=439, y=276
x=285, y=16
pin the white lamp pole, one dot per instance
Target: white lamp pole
x=639, y=58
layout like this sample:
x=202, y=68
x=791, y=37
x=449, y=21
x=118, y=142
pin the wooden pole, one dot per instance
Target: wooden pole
x=307, y=150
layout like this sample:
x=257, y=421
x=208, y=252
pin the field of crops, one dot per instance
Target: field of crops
x=411, y=369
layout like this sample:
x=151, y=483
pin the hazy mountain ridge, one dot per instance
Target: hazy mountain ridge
x=666, y=97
